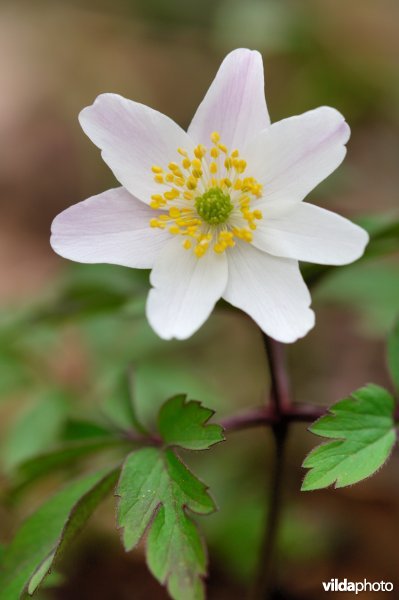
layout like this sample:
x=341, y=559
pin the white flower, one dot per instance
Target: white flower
x=216, y=212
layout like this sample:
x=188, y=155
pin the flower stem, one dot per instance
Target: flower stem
x=280, y=391
x=263, y=417
x=265, y=576
x=280, y=407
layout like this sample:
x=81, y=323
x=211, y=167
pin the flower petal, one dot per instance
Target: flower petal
x=112, y=227
x=235, y=104
x=133, y=138
x=293, y=156
x=271, y=290
x=185, y=290
x=312, y=234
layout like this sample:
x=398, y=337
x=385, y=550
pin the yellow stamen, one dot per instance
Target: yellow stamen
x=200, y=151
x=196, y=163
x=172, y=194
x=200, y=251
x=174, y=212
x=205, y=209
x=191, y=183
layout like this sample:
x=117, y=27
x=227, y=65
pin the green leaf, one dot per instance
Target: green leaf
x=43, y=536
x=393, y=355
x=184, y=423
x=155, y=490
x=36, y=429
x=80, y=430
x=364, y=433
x=64, y=455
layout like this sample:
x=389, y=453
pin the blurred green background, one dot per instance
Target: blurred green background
x=68, y=332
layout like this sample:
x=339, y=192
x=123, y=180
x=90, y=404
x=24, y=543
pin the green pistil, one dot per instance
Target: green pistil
x=214, y=207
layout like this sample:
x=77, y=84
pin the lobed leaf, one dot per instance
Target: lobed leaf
x=185, y=424
x=155, y=490
x=42, y=537
x=362, y=427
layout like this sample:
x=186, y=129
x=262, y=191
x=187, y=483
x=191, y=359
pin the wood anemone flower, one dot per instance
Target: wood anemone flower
x=217, y=211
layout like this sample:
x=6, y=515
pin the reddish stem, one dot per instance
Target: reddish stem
x=265, y=416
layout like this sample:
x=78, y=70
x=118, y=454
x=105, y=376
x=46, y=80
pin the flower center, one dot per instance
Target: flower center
x=208, y=200
x=214, y=207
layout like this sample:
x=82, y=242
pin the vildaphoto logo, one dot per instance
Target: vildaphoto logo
x=336, y=585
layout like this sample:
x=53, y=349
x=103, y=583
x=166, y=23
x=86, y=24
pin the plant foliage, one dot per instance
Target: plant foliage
x=363, y=432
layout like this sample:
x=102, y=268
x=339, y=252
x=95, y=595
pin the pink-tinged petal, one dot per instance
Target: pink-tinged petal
x=185, y=290
x=235, y=104
x=271, y=290
x=132, y=138
x=112, y=227
x=312, y=234
x=293, y=156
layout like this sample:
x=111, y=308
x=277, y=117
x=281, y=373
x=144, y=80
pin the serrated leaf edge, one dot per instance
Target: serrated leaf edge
x=330, y=441
x=212, y=413
x=331, y=412
x=333, y=484
x=185, y=508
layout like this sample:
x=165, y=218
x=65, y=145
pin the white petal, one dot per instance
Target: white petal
x=312, y=234
x=235, y=104
x=185, y=290
x=271, y=290
x=293, y=156
x=112, y=227
x=133, y=138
